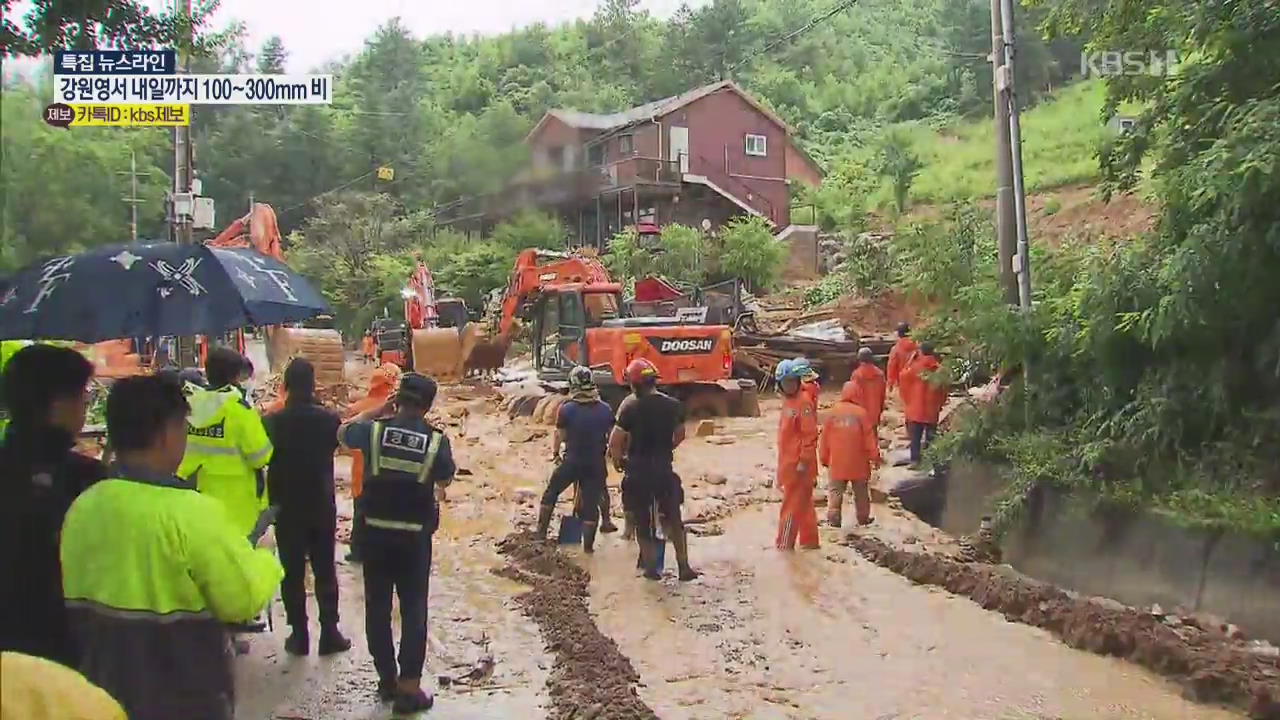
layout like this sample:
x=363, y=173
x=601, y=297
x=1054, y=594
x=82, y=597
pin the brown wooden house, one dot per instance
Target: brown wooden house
x=698, y=159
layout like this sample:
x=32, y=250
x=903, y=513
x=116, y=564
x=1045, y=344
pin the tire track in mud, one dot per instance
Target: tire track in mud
x=591, y=678
x=1209, y=666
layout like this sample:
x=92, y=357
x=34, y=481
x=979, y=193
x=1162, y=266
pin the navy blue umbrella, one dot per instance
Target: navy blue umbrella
x=160, y=288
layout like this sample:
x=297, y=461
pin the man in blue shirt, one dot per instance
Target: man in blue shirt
x=408, y=464
x=582, y=429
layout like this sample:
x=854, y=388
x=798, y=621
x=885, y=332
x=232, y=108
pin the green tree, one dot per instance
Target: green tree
x=89, y=24
x=273, y=56
x=748, y=250
x=529, y=229
x=899, y=164
x=344, y=247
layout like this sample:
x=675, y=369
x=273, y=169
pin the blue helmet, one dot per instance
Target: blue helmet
x=798, y=368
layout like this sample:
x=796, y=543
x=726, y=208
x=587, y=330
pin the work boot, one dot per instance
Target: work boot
x=588, y=537
x=834, y=520
x=298, y=643
x=386, y=689
x=606, y=525
x=544, y=520
x=410, y=697
x=332, y=642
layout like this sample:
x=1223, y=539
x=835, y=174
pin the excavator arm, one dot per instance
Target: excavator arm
x=538, y=269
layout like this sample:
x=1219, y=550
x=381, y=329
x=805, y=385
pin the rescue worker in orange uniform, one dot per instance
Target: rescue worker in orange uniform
x=871, y=382
x=797, y=458
x=367, y=347
x=382, y=384
x=848, y=446
x=901, y=353
x=924, y=398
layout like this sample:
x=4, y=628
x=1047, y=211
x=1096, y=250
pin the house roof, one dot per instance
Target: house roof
x=613, y=121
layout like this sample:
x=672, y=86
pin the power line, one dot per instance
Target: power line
x=813, y=22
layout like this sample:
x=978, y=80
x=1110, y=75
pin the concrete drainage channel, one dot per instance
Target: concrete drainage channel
x=1210, y=666
x=591, y=679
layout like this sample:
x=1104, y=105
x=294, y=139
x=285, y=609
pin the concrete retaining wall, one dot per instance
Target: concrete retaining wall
x=1136, y=557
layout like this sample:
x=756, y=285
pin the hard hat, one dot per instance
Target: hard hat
x=417, y=387
x=581, y=378
x=641, y=371
x=798, y=368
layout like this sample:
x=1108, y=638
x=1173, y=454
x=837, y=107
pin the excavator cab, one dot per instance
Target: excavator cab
x=561, y=317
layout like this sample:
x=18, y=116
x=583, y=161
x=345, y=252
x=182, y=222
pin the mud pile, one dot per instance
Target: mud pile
x=592, y=679
x=1209, y=665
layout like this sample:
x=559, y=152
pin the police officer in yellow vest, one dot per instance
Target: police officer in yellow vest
x=154, y=572
x=407, y=463
x=227, y=445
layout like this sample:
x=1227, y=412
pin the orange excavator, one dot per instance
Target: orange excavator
x=315, y=340
x=574, y=310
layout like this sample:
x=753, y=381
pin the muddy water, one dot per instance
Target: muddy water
x=824, y=634
x=762, y=634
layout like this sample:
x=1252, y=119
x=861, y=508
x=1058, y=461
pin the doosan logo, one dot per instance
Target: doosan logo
x=683, y=346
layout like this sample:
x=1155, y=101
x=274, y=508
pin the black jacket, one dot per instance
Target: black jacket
x=300, y=477
x=40, y=476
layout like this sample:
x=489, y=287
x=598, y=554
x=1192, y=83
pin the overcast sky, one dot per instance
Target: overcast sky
x=318, y=30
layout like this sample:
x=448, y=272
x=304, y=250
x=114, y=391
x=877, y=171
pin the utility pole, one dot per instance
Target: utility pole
x=133, y=200
x=1006, y=228
x=182, y=208
x=1022, y=261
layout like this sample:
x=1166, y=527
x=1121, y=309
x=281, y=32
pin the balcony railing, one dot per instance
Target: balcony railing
x=550, y=190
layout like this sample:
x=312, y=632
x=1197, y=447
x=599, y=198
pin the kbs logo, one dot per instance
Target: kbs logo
x=682, y=346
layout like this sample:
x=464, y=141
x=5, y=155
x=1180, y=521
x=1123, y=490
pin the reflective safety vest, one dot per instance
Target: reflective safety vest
x=398, y=494
x=152, y=572
x=226, y=447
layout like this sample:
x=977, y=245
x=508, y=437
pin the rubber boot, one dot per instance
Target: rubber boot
x=386, y=689
x=544, y=520
x=298, y=643
x=835, y=504
x=332, y=642
x=410, y=698
x=606, y=520
x=588, y=537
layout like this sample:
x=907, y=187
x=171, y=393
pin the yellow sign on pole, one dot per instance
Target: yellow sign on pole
x=386, y=173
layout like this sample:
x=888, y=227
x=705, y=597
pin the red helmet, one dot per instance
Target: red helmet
x=641, y=371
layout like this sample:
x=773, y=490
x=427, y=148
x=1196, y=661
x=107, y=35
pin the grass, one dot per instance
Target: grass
x=1060, y=140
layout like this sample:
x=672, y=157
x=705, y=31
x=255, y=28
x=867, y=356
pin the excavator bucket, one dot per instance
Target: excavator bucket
x=322, y=347
x=438, y=352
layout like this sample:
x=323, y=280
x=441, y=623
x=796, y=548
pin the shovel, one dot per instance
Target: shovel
x=660, y=542
x=571, y=525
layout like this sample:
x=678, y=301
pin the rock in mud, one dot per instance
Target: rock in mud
x=591, y=678
x=714, y=479
x=721, y=439
x=1210, y=665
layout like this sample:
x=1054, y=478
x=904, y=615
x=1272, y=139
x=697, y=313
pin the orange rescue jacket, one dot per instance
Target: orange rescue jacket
x=848, y=444
x=923, y=398
x=797, y=434
x=898, y=357
x=871, y=382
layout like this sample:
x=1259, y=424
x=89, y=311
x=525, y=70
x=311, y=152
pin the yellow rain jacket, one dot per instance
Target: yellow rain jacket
x=39, y=689
x=227, y=446
x=153, y=572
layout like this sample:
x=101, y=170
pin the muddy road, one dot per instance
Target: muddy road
x=762, y=634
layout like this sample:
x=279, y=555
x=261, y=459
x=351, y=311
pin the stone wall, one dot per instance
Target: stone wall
x=1136, y=557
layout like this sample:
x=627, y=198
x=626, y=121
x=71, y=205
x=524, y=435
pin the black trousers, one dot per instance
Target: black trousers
x=357, y=526
x=591, y=483
x=649, y=484
x=297, y=544
x=399, y=562
x=921, y=435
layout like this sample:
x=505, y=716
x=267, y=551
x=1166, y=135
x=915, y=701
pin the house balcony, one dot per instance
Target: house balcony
x=561, y=189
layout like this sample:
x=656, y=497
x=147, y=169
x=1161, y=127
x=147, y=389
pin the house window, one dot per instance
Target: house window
x=555, y=156
x=756, y=145
x=595, y=155
x=626, y=144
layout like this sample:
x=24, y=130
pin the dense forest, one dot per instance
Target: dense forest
x=1152, y=364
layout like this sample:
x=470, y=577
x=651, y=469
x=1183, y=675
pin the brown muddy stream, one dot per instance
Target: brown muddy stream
x=812, y=635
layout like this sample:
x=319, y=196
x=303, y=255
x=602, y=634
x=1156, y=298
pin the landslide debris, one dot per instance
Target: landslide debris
x=1210, y=665
x=591, y=678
